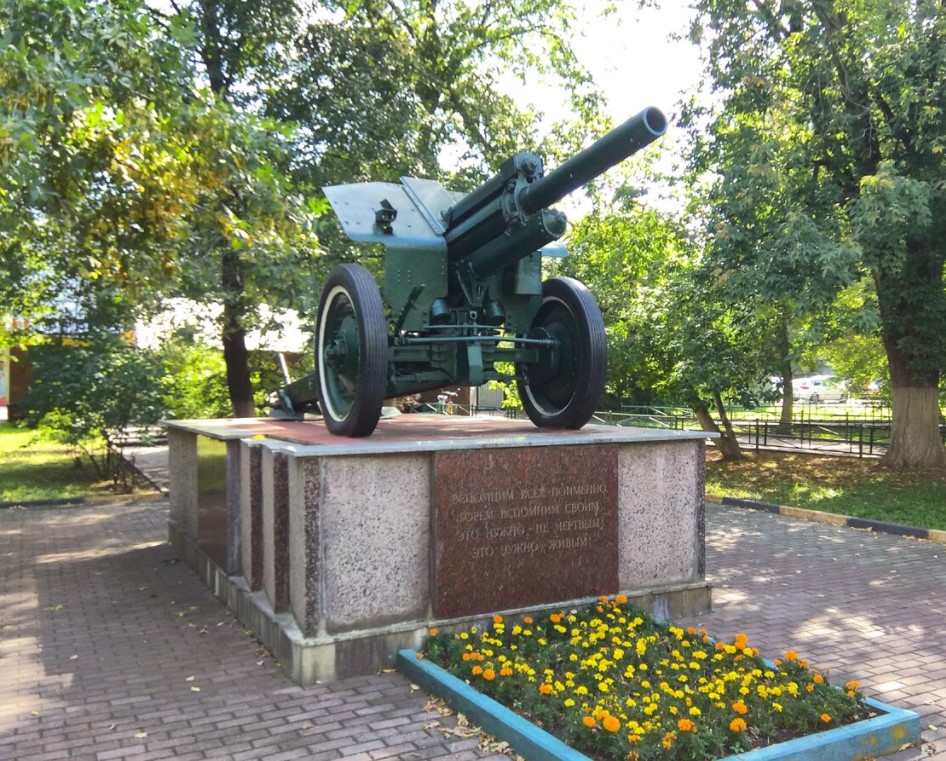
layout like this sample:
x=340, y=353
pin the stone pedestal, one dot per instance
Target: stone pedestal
x=338, y=552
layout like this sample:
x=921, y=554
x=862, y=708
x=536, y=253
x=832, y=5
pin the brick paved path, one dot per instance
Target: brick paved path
x=111, y=650
x=865, y=605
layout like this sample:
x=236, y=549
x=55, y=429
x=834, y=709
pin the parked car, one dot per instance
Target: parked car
x=819, y=388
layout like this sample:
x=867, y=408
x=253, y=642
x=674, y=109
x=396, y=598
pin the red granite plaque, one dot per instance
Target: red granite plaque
x=519, y=527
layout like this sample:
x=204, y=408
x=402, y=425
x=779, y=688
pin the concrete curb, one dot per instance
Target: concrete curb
x=143, y=496
x=833, y=519
x=524, y=736
x=881, y=735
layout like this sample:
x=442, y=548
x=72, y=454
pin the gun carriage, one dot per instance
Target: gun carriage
x=462, y=291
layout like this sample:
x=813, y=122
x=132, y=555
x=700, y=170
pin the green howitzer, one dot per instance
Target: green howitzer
x=463, y=291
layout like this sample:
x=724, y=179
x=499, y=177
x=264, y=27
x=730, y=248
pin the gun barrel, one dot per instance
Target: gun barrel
x=636, y=133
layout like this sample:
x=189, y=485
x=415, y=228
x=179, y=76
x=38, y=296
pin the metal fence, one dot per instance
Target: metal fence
x=827, y=429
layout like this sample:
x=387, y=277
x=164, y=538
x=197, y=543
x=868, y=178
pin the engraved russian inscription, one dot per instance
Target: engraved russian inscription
x=517, y=527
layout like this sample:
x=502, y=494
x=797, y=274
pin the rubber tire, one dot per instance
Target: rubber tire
x=351, y=397
x=567, y=394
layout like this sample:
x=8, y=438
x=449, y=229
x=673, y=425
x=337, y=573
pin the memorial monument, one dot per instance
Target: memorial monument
x=341, y=540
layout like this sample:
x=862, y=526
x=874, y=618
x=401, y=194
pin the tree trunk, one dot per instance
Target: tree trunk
x=235, y=355
x=788, y=378
x=726, y=443
x=915, y=439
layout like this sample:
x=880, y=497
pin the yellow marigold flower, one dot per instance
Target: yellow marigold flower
x=777, y=707
x=633, y=738
x=611, y=723
x=588, y=721
x=545, y=689
x=737, y=725
x=489, y=675
x=694, y=711
x=685, y=725
x=791, y=655
x=852, y=685
x=826, y=718
x=667, y=741
x=740, y=707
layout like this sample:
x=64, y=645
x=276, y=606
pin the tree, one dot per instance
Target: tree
x=252, y=235
x=91, y=195
x=89, y=390
x=126, y=177
x=672, y=337
x=383, y=88
x=856, y=90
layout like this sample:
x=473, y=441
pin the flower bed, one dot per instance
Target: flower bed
x=613, y=683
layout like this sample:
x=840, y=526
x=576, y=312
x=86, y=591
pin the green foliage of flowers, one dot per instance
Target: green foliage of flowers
x=614, y=683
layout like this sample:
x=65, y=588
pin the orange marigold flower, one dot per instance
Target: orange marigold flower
x=476, y=670
x=555, y=618
x=611, y=723
x=685, y=725
x=527, y=619
x=545, y=689
x=667, y=741
x=588, y=721
x=852, y=685
x=489, y=675
x=505, y=671
x=791, y=655
x=826, y=718
x=621, y=599
x=497, y=619
x=810, y=688
x=817, y=679
x=433, y=632
x=737, y=725
x=741, y=640
x=420, y=656
x=740, y=707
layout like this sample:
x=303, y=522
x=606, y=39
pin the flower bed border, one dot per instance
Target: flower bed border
x=878, y=736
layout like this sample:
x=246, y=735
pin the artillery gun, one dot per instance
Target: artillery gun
x=463, y=291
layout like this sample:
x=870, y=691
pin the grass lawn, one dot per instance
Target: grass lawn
x=847, y=486
x=36, y=468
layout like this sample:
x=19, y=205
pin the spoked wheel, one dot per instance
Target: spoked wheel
x=351, y=351
x=563, y=387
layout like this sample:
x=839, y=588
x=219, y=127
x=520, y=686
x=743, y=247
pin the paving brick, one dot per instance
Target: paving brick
x=865, y=605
